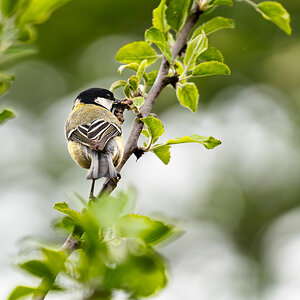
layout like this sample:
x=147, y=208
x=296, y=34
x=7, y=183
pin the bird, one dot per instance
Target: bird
x=94, y=134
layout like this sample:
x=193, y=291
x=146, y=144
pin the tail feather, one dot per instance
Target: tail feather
x=101, y=166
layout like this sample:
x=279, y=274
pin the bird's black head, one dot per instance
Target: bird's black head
x=97, y=96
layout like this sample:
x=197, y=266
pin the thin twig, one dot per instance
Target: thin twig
x=162, y=80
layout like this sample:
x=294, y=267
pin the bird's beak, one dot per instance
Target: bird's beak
x=115, y=104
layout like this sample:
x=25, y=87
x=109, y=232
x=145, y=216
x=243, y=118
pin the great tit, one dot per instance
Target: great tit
x=94, y=134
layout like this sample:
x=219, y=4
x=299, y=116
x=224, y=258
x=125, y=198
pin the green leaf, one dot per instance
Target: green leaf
x=5, y=82
x=157, y=37
x=37, y=268
x=64, y=208
x=208, y=142
x=5, y=115
x=107, y=210
x=141, y=70
x=276, y=13
x=163, y=153
x=20, y=292
x=152, y=77
x=154, y=126
x=177, y=12
x=187, y=95
x=211, y=68
x=133, y=82
x=127, y=91
x=138, y=102
x=65, y=223
x=141, y=276
x=131, y=66
x=145, y=133
x=38, y=11
x=211, y=53
x=159, y=17
x=213, y=25
x=195, y=47
x=223, y=2
x=117, y=84
x=8, y=7
x=143, y=227
x=136, y=52
x=55, y=259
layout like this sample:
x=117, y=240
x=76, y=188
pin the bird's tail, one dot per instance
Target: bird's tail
x=101, y=166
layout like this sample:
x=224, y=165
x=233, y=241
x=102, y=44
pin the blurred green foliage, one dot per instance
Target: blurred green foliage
x=17, y=18
x=116, y=252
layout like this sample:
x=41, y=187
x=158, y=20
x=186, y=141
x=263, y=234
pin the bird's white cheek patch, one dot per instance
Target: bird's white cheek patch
x=77, y=102
x=104, y=102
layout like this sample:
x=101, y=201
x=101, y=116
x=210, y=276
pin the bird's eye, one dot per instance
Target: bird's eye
x=108, y=96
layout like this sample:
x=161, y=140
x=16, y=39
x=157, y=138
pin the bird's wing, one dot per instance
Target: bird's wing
x=95, y=134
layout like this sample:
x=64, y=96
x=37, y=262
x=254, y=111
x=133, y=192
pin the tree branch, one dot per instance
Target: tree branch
x=160, y=83
x=72, y=243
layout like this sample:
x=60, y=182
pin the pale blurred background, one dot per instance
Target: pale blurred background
x=239, y=204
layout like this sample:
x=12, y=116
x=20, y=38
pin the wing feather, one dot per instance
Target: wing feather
x=96, y=134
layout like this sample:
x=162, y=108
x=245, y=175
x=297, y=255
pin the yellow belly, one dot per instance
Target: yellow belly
x=78, y=155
